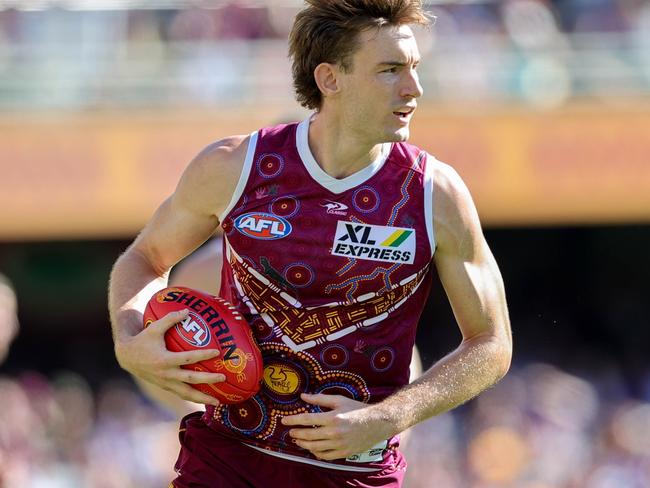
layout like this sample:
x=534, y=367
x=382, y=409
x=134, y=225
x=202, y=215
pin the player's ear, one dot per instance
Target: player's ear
x=327, y=79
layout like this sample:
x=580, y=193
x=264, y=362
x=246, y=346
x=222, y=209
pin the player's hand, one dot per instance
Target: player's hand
x=146, y=356
x=350, y=427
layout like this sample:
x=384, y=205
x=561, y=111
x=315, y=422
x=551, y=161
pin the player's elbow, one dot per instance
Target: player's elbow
x=497, y=353
x=144, y=258
x=502, y=355
x=494, y=354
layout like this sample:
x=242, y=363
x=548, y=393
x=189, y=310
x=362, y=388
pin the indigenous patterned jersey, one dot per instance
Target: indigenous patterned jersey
x=332, y=274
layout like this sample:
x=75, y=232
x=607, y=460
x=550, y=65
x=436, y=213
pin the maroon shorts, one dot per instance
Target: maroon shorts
x=209, y=460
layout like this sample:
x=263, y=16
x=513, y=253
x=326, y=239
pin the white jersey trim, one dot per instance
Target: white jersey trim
x=428, y=199
x=335, y=185
x=243, y=177
x=313, y=462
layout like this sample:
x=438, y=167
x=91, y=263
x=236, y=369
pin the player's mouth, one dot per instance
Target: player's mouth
x=404, y=114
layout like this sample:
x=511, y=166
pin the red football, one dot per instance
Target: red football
x=212, y=323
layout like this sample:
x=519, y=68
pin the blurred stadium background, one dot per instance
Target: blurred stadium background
x=542, y=106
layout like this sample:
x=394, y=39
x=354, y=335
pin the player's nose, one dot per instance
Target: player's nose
x=412, y=87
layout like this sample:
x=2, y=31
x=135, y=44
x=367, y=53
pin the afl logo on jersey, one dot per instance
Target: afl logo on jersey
x=265, y=226
x=194, y=331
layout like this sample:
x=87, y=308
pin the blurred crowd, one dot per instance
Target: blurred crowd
x=264, y=19
x=57, y=433
x=540, y=428
x=537, y=51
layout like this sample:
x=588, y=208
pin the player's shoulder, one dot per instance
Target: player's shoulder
x=212, y=176
x=220, y=161
x=226, y=154
x=447, y=183
x=446, y=180
x=452, y=202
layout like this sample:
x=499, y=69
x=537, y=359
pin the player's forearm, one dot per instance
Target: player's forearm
x=474, y=366
x=133, y=281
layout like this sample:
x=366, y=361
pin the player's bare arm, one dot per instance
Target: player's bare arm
x=201, y=271
x=474, y=286
x=181, y=224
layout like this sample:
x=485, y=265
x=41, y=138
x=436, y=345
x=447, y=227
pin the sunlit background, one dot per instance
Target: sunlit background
x=542, y=106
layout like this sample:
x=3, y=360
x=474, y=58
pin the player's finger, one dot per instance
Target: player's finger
x=328, y=401
x=317, y=446
x=166, y=322
x=196, y=377
x=311, y=434
x=330, y=455
x=188, y=393
x=305, y=419
x=190, y=357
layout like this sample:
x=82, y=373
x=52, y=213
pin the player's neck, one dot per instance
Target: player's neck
x=338, y=151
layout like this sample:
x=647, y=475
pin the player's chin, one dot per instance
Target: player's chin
x=399, y=135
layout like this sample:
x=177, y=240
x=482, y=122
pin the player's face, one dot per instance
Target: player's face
x=380, y=91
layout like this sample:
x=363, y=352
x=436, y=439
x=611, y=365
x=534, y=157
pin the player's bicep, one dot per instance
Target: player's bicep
x=465, y=264
x=172, y=233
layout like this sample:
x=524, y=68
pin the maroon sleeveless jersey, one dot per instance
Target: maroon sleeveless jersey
x=332, y=274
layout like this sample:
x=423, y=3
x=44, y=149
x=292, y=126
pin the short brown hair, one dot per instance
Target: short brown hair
x=327, y=31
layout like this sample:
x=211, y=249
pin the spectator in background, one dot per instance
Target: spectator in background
x=8, y=316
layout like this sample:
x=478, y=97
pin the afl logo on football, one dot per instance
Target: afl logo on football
x=260, y=225
x=194, y=331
